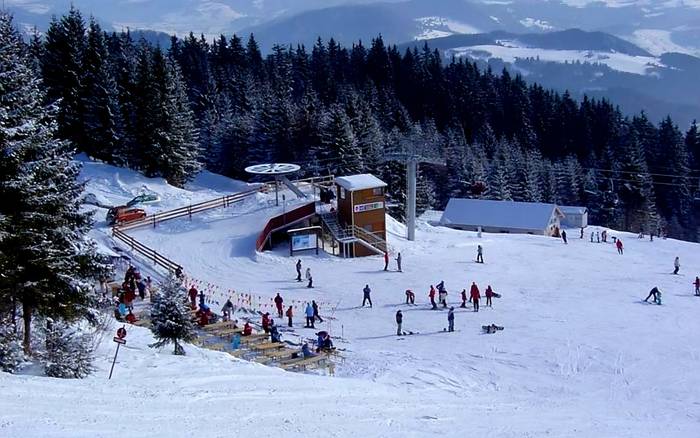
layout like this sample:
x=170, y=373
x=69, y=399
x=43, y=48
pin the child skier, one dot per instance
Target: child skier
x=309, y=278
x=289, y=314
x=410, y=297
x=464, y=298
x=451, y=320
x=656, y=293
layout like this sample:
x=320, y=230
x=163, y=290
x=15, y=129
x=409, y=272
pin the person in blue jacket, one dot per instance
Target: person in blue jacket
x=306, y=351
x=309, y=316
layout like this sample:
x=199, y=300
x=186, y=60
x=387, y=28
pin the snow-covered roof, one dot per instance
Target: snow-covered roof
x=572, y=209
x=501, y=214
x=359, y=182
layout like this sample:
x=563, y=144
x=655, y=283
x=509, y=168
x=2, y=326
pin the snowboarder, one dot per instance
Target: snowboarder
x=489, y=295
x=366, y=298
x=399, y=320
x=442, y=295
x=563, y=236
x=316, y=314
x=655, y=292
x=676, y=265
x=618, y=244
x=278, y=303
x=475, y=296
x=451, y=320
x=309, y=278
x=464, y=299
x=299, y=270
x=266, y=322
x=386, y=260
x=410, y=297
x=431, y=295
x=479, y=254
x=309, y=316
x=193, y=296
x=290, y=315
x=398, y=262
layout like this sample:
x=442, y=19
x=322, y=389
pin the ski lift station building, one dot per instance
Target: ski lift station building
x=574, y=217
x=502, y=216
x=362, y=205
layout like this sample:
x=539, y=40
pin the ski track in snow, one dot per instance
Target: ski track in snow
x=580, y=355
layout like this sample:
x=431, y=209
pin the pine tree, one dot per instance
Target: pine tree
x=170, y=316
x=48, y=257
x=69, y=354
x=11, y=356
x=339, y=142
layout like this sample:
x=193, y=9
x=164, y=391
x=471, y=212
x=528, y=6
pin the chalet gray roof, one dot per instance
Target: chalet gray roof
x=500, y=214
x=572, y=209
x=362, y=181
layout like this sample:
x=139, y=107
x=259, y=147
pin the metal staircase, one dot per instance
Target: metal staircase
x=353, y=234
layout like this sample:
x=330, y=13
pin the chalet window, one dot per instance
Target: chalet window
x=378, y=191
x=369, y=228
x=342, y=193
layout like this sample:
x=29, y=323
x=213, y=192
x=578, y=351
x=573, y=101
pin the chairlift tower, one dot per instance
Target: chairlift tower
x=279, y=171
x=412, y=152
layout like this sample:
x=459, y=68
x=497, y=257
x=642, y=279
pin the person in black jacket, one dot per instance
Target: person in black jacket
x=399, y=320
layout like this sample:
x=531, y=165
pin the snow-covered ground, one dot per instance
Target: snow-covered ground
x=580, y=355
x=511, y=51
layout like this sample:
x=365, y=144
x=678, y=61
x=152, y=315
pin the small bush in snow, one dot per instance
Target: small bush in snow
x=11, y=354
x=69, y=354
x=170, y=316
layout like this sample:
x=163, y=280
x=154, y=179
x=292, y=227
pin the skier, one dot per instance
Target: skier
x=651, y=236
x=309, y=278
x=618, y=244
x=451, y=320
x=193, y=297
x=410, y=297
x=266, y=322
x=398, y=262
x=475, y=296
x=299, y=270
x=581, y=232
x=278, y=303
x=604, y=235
x=386, y=260
x=655, y=292
x=290, y=314
x=597, y=236
x=489, y=295
x=479, y=254
x=201, y=299
x=592, y=234
x=676, y=265
x=399, y=320
x=697, y=286
x=431, y=295
x=309, y=316
x=464, y=298
x=316, y=314
x=563, y=236
x=366, y=291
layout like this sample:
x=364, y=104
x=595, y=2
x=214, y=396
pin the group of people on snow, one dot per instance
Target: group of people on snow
x=398, y=261
x=132, y=285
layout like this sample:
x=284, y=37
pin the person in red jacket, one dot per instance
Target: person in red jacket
x=489, y=295
x=266, y=322
x=193, y=297
x=247, y=329
x=130, y=317
x=290, y=314
x=431, y=294
x=386, y=260
x=278, y=304
x=464, y=298
x=619, y=246
x=475, y=296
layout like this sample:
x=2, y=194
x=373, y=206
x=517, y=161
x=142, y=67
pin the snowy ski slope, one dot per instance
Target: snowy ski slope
x=580, y=356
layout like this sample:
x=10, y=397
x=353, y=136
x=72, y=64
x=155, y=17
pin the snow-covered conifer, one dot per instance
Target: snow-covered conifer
x=170, y=316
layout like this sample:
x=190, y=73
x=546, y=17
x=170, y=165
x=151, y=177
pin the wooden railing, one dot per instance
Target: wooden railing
x=146, y=252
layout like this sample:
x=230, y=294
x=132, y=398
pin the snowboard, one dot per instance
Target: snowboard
x=491, y=328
